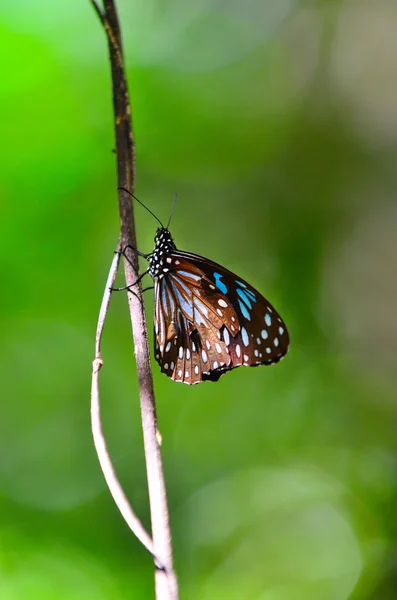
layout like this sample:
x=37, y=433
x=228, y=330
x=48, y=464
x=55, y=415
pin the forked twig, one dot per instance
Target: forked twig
x=99, y=440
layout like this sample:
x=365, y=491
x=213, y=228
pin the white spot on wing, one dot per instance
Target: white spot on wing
x=276, y=342
x=180, y=352
x=215, y=365
x=188, y=353
x=244, y=336
x=222, y=303
x=268, y=320
x=226, y=337
x=281, y=330
x=264, y=334
x=204, y=356
x=168, y=346
x=196, y=369
x=238, y=350
x=207, y=344
x=218, y=348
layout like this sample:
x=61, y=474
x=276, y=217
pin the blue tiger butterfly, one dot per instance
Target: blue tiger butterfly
x=207, y=320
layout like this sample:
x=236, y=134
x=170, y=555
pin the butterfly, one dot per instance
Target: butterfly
x=207, y=320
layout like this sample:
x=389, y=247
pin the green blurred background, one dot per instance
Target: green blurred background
x=276, y=122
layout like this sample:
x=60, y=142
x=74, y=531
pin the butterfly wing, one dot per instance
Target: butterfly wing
x=208, y=321
x=189, y=316
x=263, y=336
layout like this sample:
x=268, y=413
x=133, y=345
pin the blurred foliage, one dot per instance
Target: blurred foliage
x=277, y=124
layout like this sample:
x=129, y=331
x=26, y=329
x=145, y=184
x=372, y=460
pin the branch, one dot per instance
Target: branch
x=166, y=582
x=99, y=440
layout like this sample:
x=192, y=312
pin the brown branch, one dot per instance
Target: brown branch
x=99, y=440
x=166, y=583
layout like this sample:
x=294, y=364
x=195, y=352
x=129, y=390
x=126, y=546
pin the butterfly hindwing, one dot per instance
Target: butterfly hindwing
x=189, y=315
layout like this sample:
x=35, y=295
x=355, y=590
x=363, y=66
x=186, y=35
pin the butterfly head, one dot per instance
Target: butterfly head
x=164, y=246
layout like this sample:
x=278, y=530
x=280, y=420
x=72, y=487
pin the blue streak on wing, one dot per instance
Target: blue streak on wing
x=200, y=306
x=200, y=310
x=166, y=298
x=190, y=275
x=183, y=286
x=185, y=305
x=219, y=284
x=241, y=283
x=244, y=297
x=251, y=295
x=244, y=310
x=172, y=304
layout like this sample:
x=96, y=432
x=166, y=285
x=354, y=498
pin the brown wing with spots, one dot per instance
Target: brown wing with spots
x=208, y=321
x=189, y=315
x=262, y=336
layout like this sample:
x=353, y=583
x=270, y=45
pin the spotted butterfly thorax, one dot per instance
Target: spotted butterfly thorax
x=207, y=320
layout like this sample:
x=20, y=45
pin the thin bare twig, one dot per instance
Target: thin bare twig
x=166, y=582
x=106, y=301
x=99, y=440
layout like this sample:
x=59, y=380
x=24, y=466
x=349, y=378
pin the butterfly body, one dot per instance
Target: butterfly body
x=207, y=320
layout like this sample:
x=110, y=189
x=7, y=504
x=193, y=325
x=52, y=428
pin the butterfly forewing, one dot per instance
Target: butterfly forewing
x=263, y=337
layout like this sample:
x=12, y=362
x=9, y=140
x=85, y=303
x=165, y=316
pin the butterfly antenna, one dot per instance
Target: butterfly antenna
x=142, y=204
x=173, y=208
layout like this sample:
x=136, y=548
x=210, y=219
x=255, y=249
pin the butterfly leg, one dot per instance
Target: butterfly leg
x=138, y=252
x=128, y=287
x=136, y=295
x=151, y=287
